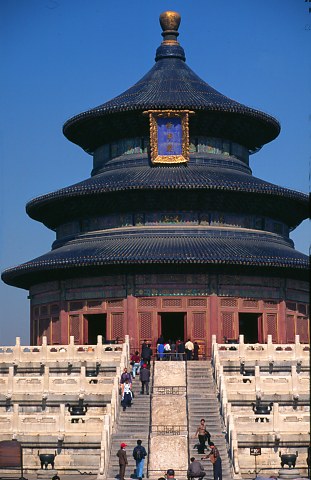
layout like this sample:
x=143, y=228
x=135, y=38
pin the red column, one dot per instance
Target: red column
x=131, y=321
x=282, y=337
x=214, y=321
x=64, y=323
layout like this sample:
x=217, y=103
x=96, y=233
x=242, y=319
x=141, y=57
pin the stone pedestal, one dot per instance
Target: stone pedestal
x=289, y=473
x=46, y=473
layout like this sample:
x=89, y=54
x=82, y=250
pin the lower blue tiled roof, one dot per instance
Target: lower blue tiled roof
x=134, y=246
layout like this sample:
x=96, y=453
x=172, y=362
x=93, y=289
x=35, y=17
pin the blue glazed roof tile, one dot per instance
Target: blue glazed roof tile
x=171, y=84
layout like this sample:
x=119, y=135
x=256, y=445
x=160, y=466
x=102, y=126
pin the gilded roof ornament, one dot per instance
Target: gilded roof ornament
x=170, y=22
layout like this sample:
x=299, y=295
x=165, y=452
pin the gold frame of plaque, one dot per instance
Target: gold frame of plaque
x=156, y=148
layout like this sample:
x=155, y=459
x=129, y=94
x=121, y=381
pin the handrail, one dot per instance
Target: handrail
x=150, y=419
x=187, y=411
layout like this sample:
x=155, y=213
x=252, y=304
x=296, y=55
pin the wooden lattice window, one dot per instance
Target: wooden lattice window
x=227, y=324
x=302, y=308
x=228, y=302
x=145, y=320
x=56, y=331
x=290, y=328
x=45, y=328
x=270, y=304
x=171, y=302
x=44, y=310
x=75, y=306
x=94, y=303
x=250, y=303
x=291, y=306
x=302, y=329
x=36, y=312
x=147, y=302
x=74, y=328
x=272, y=326
x=198, y=325
x=197, y=302
x=115, y=303
x=54, y=309
x=35, y=331
x=117, y=325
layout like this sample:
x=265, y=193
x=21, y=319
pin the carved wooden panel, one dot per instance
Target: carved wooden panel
x=171, y=302
x=227, y=319
x=290, y=328
x=270, y=304
x=56, y=331
x=94, y=304
x=145, y=321
x=147, y=302
x=115, y=303
x=117, y=328
x=272, y=326
x=228, y=302
x=302, y=329
x=249, y=303
x=197, y=302
x=198, y=327
x=74, y=328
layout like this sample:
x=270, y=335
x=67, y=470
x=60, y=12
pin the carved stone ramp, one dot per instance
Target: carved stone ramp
x=203, y=403
x=169, y=435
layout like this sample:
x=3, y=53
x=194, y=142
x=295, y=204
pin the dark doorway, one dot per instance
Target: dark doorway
x=95, y=325
x=173, y=325
x=250, y=327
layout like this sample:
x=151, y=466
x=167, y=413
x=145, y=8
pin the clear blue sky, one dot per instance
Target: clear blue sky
x=62, y=57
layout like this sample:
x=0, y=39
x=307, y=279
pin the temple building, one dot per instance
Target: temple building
x=171, y=234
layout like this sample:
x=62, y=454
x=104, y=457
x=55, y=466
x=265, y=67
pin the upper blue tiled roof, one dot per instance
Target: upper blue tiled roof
x=183, y=246
x=171, y=84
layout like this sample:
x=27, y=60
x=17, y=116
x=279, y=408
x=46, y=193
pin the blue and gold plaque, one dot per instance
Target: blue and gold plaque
x=169, y=135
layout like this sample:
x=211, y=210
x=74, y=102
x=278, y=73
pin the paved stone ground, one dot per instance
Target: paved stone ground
x=33, y=476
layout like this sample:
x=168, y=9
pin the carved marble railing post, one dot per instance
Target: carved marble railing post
x=270, y=347
x=46, y=380
x=298, y=347
x=17, y=350
x=104, y=449
x=82, y=379
x=44, y=350
x=61, y=422
x=241, y=346
x=10, y=389
x=233, y=444
x=258, y=388
x=294, y=383
x=99, y=347
x=15, y=419
x=276, y=422
x=71, y=348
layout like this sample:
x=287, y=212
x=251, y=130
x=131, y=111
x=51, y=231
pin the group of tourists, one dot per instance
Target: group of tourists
x=139, y=454
x=195, y=469
x=126, y=383
x=177, y=350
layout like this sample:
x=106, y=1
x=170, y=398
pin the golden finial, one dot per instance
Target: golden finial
x=169, y=22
